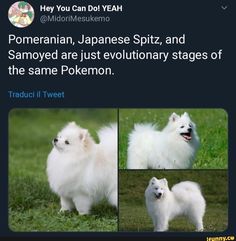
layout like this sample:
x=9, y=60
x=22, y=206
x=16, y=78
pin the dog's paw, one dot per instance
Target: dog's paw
x=160, y=229
x=199, y=230
x=63, y=210
x=83, y=213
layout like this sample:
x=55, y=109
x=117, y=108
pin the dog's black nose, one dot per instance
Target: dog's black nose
x=189, y=130
x=55, y=140
x=158, y=195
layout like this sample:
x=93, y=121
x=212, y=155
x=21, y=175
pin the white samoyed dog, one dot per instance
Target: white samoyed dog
x=82, y=172
x=174, y=147
x=184, y=198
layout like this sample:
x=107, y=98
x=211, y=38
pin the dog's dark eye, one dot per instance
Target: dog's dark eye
x=67, y=142
x=190, y=125
x=181, y=126
x=156, y=188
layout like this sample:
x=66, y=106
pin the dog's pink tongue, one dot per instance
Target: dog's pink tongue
x=187, y=137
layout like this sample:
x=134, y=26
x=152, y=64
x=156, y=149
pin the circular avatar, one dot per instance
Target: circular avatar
x=21, y=14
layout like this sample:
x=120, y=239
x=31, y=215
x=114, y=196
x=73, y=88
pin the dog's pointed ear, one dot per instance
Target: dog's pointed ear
x=164, y=181
x=153, y=180
x=72, y=123
x=83, y=135
x=86, y=139
x=173, y=117
x=186, y=114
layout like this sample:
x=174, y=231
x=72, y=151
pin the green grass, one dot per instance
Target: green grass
x=32, y=205
x=132, y=210
x=212, y=128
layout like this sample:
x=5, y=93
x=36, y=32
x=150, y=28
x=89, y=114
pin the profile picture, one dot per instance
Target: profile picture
x=21, y=14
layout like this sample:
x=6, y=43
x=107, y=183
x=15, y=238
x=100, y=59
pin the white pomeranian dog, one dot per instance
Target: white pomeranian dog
x=184, y=198
x=82, y=172
x=174, y=147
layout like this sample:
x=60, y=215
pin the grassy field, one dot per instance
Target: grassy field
x=132, y=210
x=212, y=128
x=32, y=205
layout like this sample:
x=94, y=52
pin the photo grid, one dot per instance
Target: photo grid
x=118, y=170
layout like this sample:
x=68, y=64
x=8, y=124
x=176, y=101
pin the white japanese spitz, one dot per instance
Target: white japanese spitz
x=184, y=198
x=82, y=172
x=174, y=147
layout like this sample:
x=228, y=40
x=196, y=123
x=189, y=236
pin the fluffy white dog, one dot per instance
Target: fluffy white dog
x=174, y=147
x=82, y=172
x=184, y=198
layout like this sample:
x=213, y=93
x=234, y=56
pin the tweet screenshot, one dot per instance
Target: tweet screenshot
x=118, y=120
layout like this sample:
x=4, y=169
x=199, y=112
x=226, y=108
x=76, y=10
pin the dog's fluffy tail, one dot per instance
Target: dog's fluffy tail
x=182, y=190
x=139, y=141
x=141, y=131
x=108, y=140
x=145, y=127
x=190, y=192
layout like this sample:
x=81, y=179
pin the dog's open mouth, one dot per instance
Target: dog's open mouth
x=187, y=136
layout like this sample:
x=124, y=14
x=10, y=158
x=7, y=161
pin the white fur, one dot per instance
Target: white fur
x=82, y=172
x=165, y=149
x=184, y=198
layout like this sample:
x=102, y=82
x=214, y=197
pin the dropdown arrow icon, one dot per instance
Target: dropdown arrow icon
x=224, y=7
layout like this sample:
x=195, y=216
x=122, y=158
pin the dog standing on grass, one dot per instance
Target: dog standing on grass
x=174, y=147
x=184, y=198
